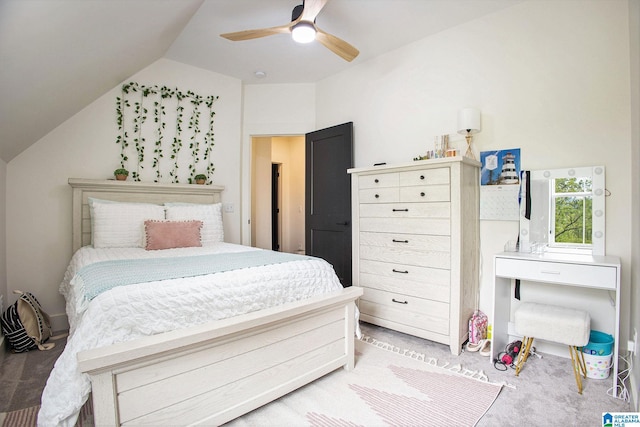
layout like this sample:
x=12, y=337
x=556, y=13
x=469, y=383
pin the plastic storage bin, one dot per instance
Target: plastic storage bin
x=598, y=367
x=600, y=344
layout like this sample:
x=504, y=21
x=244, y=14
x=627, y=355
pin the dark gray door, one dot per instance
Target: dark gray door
x=329, y=154
x=275, y=206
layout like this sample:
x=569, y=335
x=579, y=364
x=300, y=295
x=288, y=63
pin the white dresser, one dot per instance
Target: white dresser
x=416, y=246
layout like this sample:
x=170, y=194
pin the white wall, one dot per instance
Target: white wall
x=39, y=197
x=297, y=212
x=3, y=238
x=634, y=30
x=551, y=78
x=261, y=193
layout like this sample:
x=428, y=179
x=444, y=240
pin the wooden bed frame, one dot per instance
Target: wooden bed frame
x=211, y=373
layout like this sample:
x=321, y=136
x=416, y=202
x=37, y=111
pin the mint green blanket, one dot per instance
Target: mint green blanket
x=102, y=276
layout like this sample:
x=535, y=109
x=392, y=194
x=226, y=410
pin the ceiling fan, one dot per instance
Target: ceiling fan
x=302, y=26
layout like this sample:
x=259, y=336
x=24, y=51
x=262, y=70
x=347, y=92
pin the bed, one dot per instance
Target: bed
x=190, y=348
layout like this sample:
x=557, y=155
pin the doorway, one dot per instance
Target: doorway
x=284, y=227
x=303, y=205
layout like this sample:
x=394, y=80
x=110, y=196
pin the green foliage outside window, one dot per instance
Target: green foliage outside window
x=572, y=218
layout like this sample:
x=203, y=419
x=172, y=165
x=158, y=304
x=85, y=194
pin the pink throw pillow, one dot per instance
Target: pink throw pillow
x=172, y=234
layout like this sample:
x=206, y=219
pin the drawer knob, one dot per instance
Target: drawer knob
x=399, y=302
x=421, y=176
x=377, y=196
x=399, y=241
x=400, y=271
x=400, y=210
x=376, y=180
x=422, y=193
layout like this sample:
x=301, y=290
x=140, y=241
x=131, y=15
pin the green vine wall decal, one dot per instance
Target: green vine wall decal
x=194, y=127
x=169, y=108
x=122, y=138
x=208, y=137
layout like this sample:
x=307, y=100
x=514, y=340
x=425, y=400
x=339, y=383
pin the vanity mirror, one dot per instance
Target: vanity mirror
x=567, y=211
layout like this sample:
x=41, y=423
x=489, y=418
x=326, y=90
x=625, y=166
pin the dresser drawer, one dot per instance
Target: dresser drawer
x=557, y=272
x=405, y=257
x=435, y=226
x=425, y=193
x=410, y=242
x=417, y=312
x=406, y=210
x=379, y=195
x=380, y=180
x=425, y=177
x=422, y=282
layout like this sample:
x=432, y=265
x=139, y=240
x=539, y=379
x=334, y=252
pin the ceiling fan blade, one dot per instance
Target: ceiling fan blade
x=254, y=34
x=337, y=45
x=311, y=9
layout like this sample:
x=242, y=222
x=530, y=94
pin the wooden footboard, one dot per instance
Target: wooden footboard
x=213, y=373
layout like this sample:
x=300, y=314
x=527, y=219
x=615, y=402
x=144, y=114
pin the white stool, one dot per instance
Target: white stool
x=558, y=324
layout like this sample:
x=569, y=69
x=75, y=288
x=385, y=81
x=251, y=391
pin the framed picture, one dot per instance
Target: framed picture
x=501, y=167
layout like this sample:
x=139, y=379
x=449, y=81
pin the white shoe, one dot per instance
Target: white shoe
x=473, y=347
x=485, y=350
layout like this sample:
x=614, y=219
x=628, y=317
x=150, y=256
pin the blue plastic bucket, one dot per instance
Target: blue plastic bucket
x=600, y=344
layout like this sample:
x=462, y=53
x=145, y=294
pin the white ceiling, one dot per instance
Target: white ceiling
x=57, y=56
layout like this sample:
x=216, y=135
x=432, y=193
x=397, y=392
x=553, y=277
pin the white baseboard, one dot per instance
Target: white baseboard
x=59, y=322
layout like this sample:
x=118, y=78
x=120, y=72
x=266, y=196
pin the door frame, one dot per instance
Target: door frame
x=269, y=131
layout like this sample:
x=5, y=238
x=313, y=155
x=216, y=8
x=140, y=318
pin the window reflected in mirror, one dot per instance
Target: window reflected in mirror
x=567, y=211
x=571, y=212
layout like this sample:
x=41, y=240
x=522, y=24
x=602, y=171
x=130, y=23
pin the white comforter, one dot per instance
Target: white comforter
x=128, y=312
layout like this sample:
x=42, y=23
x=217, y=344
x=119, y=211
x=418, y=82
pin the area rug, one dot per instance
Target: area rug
x=22, y=417
x=28, y=417
x=388, y=386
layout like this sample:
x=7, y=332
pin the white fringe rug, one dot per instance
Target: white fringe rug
x=389, y=386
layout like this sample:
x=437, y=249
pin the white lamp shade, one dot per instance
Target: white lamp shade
x=469, y=121
x=303, y=32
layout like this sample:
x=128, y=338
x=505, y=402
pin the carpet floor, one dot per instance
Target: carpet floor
x=544, y=393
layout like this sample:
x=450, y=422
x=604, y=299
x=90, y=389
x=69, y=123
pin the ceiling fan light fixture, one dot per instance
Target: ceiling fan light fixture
x=303, y=32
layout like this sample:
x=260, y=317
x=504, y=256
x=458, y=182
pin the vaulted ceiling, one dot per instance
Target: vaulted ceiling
x=57, y=56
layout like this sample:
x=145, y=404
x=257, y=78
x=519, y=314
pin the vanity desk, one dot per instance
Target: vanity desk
x=557, y=269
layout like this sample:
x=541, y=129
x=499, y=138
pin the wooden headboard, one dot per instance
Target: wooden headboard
x=130, y=191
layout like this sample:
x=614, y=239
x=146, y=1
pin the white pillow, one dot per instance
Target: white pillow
x=120, y=225
x=212, y=231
